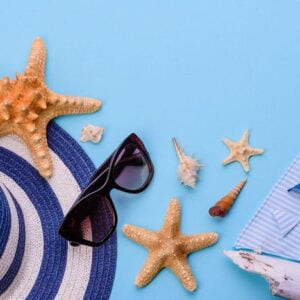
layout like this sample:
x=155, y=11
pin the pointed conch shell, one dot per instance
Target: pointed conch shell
x=221, y=208
x=188, y=167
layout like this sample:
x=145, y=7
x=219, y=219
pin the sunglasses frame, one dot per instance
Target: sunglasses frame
x=104, y=190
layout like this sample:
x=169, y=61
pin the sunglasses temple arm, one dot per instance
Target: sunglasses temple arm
x=104, y=166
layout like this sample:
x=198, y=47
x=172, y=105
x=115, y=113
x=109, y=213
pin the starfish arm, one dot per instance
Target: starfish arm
x=245, y=164
x=152, y=266
x=181, y=269
x=245, y=137
x=141, y=236
x=37, y=59
x=199, y=241
x=38, y=147
x=64, y=105
x=255, y=151
x=229, y=159
x=172, y=219
x=6, y=130
x=228, y=142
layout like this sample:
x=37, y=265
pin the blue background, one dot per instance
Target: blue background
x=197, y=70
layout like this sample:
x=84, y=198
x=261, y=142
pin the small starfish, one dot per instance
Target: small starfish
x=168, y=248
x=241, y=151
x=27, y=106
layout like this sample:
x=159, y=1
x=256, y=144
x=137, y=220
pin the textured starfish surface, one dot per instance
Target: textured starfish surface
x=168, y=248
x=241, y=151
x=27, y=106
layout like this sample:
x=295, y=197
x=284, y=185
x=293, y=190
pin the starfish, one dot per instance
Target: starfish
x=169, y=248
x=241, y=151
x=27, y=106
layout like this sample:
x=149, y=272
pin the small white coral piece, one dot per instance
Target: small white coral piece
x=188, y=167
x=91, y=133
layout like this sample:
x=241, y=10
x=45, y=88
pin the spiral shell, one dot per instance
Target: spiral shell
x=221, y=208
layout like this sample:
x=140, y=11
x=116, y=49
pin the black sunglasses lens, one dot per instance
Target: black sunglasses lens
x=91, y=220
x=131, y=170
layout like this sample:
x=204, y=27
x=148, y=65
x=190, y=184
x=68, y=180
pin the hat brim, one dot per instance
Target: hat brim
x=50, y=267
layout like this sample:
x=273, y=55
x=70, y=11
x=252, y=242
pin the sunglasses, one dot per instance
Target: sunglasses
x=92, y=219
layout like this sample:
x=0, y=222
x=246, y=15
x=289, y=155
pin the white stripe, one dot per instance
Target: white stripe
x=33, y=252
x=286, y=221
x=12, y=243
x=267, y=245
x=263, y=228
x=79, y=259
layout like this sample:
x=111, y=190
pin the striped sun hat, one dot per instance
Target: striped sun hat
x=35, y=262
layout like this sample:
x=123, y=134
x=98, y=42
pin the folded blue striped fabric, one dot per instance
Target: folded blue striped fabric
x=275, y=227
x=295, y=188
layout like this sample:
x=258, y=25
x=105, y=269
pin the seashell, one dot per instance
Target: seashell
x=91, y=133
x=188, y=166
x=221, y=208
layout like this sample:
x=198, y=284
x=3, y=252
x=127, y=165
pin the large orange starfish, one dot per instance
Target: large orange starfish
x=27, y=106
x=169, y=248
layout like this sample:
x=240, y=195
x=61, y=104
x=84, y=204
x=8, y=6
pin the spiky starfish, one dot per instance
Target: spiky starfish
x=169, y=248
x=27, y=106
x=241, y=151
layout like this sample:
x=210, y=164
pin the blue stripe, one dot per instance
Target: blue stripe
x=16, y=263
x=5, y=221
x=45, y=202
x=285, y=221
x=50, y=213
x=104, y=257
x=275, y=227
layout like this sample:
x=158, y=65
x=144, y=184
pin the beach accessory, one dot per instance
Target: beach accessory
x=91, y=133
x=282, y=275
x=93, y=218
x=35, y=262
x=188, y=166
x=241, y=151
x=221, y=208
x=27, y=106
x=275, y=227
x=169, y=248
x=295, y=188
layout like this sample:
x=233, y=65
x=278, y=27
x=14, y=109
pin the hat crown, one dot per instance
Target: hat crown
x=36, y=263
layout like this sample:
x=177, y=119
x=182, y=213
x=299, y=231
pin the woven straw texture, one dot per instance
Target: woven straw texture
x=35, y=262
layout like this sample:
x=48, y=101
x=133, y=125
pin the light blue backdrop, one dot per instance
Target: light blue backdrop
x=197, y=70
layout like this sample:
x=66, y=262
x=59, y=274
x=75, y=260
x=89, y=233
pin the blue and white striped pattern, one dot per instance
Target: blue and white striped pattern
x=285, y=221
x=275, y=227
x=295, y=188
x=12, y=208
x=35, y=262
x=5, y=221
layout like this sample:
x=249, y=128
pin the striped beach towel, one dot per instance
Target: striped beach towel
x=275, y=227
